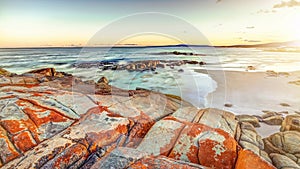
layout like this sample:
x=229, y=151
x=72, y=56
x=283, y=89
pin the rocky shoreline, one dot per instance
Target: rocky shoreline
x=145, y=65
x=51, y=119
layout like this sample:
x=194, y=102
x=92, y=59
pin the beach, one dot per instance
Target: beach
x=252, y=93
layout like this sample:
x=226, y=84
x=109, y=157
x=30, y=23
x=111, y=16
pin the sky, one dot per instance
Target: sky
x=35, y=23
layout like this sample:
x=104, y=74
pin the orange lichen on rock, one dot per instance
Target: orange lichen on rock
x=99, y=139
x=68, y=157
x=97, y=129
x=204, y=145
x=248, y=160
x=41, y=116
x=24, y=141
x=142, y=125
x=13, y=126
x=161, y=137
x=8, y=151
x=152, y=162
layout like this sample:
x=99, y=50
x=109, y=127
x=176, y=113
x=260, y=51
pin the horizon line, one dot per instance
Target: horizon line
x=149, y=46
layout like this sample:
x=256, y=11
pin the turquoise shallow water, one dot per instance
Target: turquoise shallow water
x=190, y=85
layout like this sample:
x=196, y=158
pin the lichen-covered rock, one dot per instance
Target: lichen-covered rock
x=50, y=119
x=248, y=160
x=96, y=129
x=216, y=118
x=161, y=138
x=203, y=145
x=121, y=157
x=8, y=151
x=163, y=162
x=187, y=113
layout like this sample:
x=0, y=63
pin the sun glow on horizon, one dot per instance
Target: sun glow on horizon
x=61, y=23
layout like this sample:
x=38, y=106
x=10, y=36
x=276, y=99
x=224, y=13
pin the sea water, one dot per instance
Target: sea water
x=190, y=85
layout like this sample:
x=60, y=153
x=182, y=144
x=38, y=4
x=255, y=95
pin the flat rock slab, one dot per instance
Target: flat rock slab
x=97, y=129
x=161, y=138
x=216, y=118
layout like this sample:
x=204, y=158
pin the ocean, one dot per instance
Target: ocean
x=190, y=85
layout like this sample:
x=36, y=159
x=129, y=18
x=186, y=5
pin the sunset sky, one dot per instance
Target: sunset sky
x=35, y=23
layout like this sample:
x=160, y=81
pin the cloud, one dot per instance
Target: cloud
x=250, y=27
x=266, y=11
x=291, y=3
x=252, y=41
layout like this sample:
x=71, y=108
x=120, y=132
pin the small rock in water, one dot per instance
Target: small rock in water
x=90, y=82
x=284, y=105
x=250, y=68
x=103, y=80
x=228, y=105
x=297, y=82
x=202, y=63
x=192, y=62
x=160, y=65
x=180, y=70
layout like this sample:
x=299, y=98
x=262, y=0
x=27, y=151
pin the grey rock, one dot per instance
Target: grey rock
x=283, y=162
x=248, y=118
x=291, y=122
